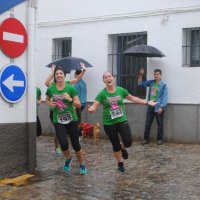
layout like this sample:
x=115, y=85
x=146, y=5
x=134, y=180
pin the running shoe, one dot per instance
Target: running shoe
x=83, y=169
x=58, y=151
x=121, y=167
x=124, y=153
x=67, y=166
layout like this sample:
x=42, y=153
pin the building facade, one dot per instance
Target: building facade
x=100, y=31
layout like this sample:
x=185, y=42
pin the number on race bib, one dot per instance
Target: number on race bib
x=115, y=113
x=65, y=119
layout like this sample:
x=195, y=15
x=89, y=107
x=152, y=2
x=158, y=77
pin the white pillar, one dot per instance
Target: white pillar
x=31, y=87
x=31, y=72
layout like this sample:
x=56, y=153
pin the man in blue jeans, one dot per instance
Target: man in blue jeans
x=157, y=92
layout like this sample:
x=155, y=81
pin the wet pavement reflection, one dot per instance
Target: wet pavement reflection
x=168, y=171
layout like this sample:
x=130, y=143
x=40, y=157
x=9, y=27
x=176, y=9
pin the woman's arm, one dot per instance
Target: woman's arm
x=39, y=100
x=75, y=100
x=50, y=77
x=79, y=77
x=49, y=102
x=140, y=101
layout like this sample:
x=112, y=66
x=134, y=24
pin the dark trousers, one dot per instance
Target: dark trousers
x=78, y=113
x=124, y=131
x=149, y=120
x=65, y=130
x=39, y=127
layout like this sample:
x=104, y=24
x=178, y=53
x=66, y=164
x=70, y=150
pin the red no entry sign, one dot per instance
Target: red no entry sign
x=13, y=37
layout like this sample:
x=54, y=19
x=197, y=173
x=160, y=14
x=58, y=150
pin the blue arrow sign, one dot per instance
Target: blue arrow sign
x=12, y=83
x=7, y=4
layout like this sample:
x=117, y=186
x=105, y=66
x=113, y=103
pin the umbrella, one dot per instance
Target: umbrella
x=70, y=63
x=143, y=51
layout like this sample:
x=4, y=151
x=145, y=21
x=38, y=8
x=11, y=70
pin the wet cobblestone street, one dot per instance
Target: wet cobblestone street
x=168, y=171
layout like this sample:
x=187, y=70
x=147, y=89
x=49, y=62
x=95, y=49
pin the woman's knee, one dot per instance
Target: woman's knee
x=76, y=147
x=64, y=147
x=128, y=143
x=116, y=148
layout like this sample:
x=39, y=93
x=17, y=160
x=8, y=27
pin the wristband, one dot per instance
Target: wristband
x=84, y=70
x=147, y=103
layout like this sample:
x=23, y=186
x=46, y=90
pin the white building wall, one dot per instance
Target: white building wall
x=89, y=23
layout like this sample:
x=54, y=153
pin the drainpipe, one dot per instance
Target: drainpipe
x=31, y=80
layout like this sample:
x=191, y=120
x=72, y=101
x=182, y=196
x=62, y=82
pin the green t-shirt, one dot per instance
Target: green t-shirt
x=38, y=92
x=113, y=106
x=66, y=113
x=154, y=91
x=53, y=83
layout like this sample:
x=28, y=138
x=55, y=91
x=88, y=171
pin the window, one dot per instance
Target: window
x=62, y=47
x=191, y=47
x=125, y=68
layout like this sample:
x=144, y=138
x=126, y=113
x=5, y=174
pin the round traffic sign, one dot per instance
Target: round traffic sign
x=13, y=37
x=12, y=83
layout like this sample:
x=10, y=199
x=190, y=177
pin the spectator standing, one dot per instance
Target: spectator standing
x=158, y=92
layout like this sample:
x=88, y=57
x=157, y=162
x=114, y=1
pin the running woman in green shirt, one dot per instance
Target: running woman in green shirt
x=49, y=81
x=63, y=98
x=114, y=116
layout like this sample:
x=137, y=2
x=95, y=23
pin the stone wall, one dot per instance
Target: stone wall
x=18, y=149
x=181, y=122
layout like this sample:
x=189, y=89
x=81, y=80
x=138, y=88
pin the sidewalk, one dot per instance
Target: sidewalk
x=168, y=171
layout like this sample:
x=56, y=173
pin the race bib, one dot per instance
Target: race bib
x=116, y=112
x=65, y=119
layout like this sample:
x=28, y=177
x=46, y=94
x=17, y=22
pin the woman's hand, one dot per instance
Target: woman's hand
x=91, y=109
x=53, y=68
x=66, y=95
x=152, y=103
x=83, y=66
x=53, y=104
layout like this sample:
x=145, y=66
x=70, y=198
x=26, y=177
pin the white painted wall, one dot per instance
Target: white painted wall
x=89, y=23
x=66, y=9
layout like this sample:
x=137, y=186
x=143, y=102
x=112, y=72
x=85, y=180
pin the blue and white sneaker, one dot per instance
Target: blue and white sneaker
x=67, y=167
x=83, y=169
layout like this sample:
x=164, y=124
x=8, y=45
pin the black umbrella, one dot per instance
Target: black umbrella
x=70, y=63
x=143, y=51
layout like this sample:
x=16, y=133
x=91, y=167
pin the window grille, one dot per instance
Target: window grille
x=191, y=47
x=126, y=68
x=62, y=47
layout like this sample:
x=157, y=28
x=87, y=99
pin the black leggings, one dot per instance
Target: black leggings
x=124, y=131
x=65, y=130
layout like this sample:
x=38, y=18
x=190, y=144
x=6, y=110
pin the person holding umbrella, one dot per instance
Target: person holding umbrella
x=49, y=81
x=114, y=116
x=158, y=91
x=63, y=99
